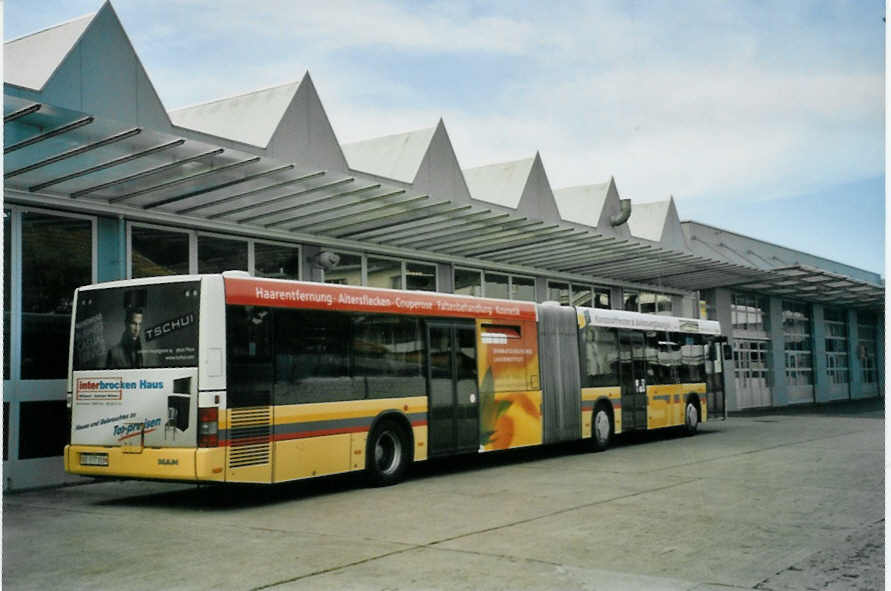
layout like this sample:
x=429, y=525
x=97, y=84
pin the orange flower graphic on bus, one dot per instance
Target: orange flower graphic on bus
x=510, y=420
x=510, y=402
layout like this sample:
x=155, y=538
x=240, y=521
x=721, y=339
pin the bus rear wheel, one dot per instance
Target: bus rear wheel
x=387, y=454
x=601, y=428
x=691, y=419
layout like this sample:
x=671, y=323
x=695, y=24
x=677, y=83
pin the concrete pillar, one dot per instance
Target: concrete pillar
x=111, y=249
x=777, y=358
x=818, y=334
x=855, y=369
x=615, y=298
x=723, y=301
x=445, y=278
x=541, y=289
x=310, y=271
x=685, y=306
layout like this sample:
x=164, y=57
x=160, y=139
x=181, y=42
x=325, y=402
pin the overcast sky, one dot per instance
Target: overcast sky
x=765, y=118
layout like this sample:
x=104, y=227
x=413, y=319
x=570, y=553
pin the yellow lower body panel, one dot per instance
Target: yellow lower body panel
x=420, y=434
x=312, y=456
x=171, y=463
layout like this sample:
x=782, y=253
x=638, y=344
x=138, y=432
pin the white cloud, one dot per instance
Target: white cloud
x=718, y=101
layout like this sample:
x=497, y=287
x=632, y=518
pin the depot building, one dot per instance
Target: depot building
x=101, y=182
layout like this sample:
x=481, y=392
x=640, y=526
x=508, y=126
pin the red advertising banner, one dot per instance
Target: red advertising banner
x=321, y=296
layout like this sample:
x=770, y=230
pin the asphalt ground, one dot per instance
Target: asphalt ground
x=772, y=501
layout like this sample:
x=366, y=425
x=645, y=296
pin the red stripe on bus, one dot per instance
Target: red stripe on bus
x=321, y=296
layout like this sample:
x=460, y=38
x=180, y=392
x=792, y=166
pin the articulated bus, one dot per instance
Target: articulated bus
x=231, y=378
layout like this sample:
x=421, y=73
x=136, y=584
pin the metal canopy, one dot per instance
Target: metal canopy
x=802, y=282
x=64, y=154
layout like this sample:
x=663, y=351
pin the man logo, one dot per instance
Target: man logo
x=168, y=462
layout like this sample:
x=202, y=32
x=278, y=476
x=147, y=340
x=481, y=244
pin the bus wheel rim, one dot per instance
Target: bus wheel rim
x=601, y=425
x=692, y=417
x=387, y=452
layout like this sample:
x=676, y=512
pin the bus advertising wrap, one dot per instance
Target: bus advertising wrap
x=319, y=296
x=134, y=407
x=150, y=326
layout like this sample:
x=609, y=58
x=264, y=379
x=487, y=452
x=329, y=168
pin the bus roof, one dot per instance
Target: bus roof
x=623, y=319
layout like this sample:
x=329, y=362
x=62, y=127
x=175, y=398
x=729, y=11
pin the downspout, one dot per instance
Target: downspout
x=623, y=215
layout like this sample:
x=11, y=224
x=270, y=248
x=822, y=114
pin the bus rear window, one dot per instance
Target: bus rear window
x=145, y=326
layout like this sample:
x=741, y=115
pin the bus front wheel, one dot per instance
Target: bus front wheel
x=387, y=454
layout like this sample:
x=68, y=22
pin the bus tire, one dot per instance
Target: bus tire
x=601, y=428
x=387, y=454
x=691, y=418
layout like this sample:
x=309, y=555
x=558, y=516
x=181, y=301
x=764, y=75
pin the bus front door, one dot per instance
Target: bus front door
x=453, y=399
x=633, y=379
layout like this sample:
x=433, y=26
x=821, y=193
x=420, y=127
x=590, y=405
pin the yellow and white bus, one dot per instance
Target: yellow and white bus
x=231, y=378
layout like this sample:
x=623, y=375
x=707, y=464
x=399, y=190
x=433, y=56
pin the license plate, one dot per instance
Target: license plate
x=93, y=459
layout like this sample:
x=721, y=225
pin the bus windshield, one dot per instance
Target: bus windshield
x=146, y=326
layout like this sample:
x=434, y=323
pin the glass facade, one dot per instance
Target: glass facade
x=216, y=255
x=278, y=261
x=582, y=296
x=497, y=286
x=347, y=272
x=44, y=428
x=558, y=291
x=602, y=298
x=646, y=302
x=837, y=366
x=384, y=273
x=798, y=351
x=866, y=335
x=752, y=372
x=468, y=282
x=476, y=282
x=630, y=301
x=708, y=309
x=7, y=271
x=155, y=252
x=57, y=257
x=420, y=276
x=750, y=314
x=522, y=288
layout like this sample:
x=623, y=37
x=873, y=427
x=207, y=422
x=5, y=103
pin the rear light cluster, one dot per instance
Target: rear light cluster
x=208, y=427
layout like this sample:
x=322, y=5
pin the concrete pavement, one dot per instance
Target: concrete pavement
x=770, y=501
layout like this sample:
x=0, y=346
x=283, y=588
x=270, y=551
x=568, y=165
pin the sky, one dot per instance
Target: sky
x=762, y=117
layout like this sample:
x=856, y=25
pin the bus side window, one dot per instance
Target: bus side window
x=312, y=357
x=692, y=359
x=599, y=356
x=388, y=355
x=663, y=355
x=250, y=361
